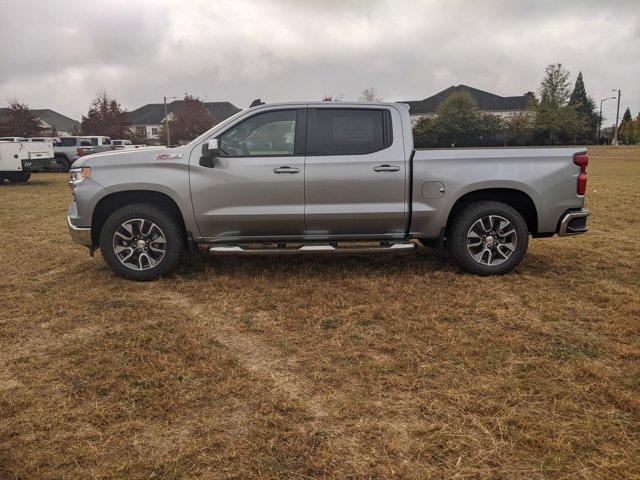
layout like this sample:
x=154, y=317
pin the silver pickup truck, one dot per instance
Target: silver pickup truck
x=324, y=177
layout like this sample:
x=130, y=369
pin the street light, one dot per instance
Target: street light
x=615, y=133
x=600, y=121
x=166, y=119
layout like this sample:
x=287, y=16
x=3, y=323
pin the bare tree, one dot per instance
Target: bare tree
x=370, y=94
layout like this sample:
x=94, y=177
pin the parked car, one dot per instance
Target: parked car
x=11, y=139
x=122, y=144
x=69, y=149
x=323, y=178
x=100, y=143
x=19, y=159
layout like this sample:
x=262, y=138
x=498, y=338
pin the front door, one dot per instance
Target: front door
x=256, y=185
x=355, y=173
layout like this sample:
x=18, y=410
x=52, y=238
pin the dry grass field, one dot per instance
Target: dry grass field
x=343, y=367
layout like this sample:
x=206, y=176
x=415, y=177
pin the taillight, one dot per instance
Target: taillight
x=582, y=160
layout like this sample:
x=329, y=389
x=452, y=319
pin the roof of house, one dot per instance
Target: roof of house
x=52, y=118
x=153, y=113
x=485, y=100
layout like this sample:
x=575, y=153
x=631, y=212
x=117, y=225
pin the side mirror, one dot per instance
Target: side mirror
x=210, y=150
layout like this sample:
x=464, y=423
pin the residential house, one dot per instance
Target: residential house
x=51, y=122
x=147, y=120
x=487, y=102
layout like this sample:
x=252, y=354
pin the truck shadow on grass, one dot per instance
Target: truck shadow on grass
x=423, y=262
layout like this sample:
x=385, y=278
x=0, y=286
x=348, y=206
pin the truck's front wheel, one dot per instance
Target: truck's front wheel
x=141, y=242
x=488, y=238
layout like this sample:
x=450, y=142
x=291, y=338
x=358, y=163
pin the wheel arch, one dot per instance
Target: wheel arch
x=114, y=201
x=517, y=199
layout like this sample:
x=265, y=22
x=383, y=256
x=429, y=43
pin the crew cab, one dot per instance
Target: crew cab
x=322, y=177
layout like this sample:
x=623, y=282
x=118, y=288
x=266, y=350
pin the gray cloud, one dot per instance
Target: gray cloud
x=58, y=54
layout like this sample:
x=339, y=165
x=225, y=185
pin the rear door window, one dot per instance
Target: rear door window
x=350, y=131
x=68, y=142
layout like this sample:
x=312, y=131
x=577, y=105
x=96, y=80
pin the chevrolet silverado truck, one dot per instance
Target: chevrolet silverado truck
x=299, y=178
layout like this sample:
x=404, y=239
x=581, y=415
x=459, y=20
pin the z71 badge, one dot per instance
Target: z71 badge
x=168, y=156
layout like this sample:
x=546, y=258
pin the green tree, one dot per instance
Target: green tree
x=489, y=127
x=425, y=133
x=105, y=117
x=556, y=121
x=458, y=120
x=518, y=128
x=586, y=109
x=627, y=129
x=20, y=121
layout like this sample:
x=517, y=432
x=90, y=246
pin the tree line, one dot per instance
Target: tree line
x=557, y=115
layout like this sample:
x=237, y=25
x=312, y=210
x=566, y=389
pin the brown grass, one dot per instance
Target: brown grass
x=358, y=367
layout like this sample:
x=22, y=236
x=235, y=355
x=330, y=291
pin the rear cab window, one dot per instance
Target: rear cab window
x=350, y=131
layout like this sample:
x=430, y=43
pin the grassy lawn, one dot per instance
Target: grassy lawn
x=359, y=367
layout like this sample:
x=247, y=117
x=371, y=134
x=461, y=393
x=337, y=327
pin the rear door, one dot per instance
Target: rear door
x=355, y=172
x=256, y=186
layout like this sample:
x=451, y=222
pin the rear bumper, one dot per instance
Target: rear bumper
x=80, y=235
x=39, y=164
x=573, y=222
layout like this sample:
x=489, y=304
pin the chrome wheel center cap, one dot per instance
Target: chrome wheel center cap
x=489, y=240
x=141, y=244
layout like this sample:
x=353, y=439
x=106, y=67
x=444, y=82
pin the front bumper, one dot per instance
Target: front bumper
x=39, y=164
x=573, y=222
x=80, y=235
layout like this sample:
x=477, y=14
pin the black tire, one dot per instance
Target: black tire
x=169, y=227
x=459, y=243
x=64, y=165
x=19, y=177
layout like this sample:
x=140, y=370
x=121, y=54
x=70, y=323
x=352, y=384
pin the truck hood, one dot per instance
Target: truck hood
x=114, y=158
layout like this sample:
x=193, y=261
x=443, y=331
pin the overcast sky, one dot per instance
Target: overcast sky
x=57, y=54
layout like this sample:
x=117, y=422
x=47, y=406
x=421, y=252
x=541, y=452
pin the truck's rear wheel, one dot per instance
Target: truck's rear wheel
x=141, y=242
x=488, y=238
x=19, y=177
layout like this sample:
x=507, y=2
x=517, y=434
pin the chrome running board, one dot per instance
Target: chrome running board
x=298, y=249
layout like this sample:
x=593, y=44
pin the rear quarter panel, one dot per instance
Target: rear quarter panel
x=547, y=175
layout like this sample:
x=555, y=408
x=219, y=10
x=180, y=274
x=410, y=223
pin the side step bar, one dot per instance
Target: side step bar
x=306, y=249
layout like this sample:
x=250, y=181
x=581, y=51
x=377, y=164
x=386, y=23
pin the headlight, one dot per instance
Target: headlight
x=77, y=175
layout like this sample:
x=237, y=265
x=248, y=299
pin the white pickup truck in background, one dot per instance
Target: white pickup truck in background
x=19, y=159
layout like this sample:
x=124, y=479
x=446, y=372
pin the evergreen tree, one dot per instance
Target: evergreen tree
x=105, y=117
x=20, y=121
x=586, y=109
x=627, y=129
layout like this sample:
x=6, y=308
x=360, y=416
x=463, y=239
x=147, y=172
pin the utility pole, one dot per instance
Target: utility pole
x=600, y=118
x=166, y=120
x=615, y=134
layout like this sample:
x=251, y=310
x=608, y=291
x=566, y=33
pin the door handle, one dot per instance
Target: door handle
x=285, y=169
x=386, y=168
